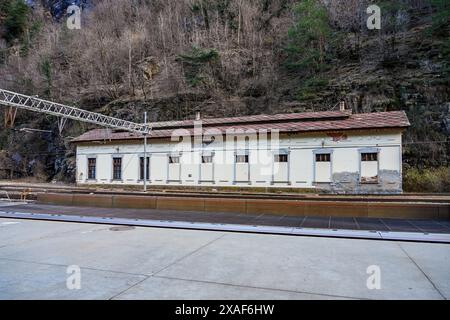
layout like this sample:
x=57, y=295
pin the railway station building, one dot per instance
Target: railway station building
x=332, y=151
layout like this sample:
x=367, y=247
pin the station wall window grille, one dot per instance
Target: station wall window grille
x=372, y=156
x=174, y=159
x=281, y=158
x=117, y=168
x=91, y=168
x=323, y=157
x=207, y=159
x=242, y=158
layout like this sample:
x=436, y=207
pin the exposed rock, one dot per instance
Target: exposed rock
x=150, y=67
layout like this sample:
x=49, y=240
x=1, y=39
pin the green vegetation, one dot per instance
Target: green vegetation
x=440, y=28
x=308, y=38
x=426, y=144
x=441, y=18
x=16, y=15
x=427, y=180
x=310, y=87
x=308, y=49
x=46, y=69
x=193, y=62
x=445, y=53
x=34, y=30
x=393, y=13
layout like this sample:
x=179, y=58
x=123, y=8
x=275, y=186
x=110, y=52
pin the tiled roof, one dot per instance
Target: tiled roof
x=255, y=119
x=294, y=122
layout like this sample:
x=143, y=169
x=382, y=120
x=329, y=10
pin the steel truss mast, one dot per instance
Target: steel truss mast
x=33, y=103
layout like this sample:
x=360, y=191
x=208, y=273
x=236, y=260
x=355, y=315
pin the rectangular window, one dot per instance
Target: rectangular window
x=117, y=168
x=373, y=156
x=174, y=159
x=369, y=167
x=242, y=158
x=281, y=158
x=207, y=159
x=323, y=157
x=141, y=168
x=91, y=168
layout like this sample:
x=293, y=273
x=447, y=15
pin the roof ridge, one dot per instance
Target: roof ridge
x=358, y=121
x=278, y=117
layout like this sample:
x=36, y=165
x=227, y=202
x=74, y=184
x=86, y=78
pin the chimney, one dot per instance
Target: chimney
x=342, y=105
x=198, y=116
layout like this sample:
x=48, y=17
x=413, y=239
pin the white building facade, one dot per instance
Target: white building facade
x=332, y=151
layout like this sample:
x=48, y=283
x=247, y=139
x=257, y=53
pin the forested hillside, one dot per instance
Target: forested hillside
x=225, y=58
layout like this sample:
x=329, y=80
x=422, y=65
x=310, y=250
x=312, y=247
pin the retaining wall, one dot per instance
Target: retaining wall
x=256, y=206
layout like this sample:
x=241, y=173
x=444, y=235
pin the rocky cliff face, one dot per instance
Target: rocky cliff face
x=224, y=58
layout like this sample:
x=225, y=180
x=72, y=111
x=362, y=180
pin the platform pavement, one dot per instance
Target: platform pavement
x=151, y=263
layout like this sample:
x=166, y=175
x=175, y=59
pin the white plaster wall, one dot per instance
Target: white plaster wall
x=369, y=169
x=301, y=162
x=189, y=166
x=389, y=159
x=242, y=170
x=223, y=162
x=104, y=168
x=323, y=172
x=81, y=174
x=130, y=168
x=280, y=171
x=174, y=171
x=261, y=162
x=158, y=168
x=345, y=158
x=207, y=171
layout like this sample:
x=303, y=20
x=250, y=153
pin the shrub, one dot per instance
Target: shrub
x=194, y=61
x=311, y=87
x=434, y=180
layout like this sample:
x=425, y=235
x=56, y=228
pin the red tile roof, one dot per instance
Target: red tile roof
x=255, y=119
x=294, y=122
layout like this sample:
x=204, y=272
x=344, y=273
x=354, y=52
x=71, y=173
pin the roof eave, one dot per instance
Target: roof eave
x=402, y=127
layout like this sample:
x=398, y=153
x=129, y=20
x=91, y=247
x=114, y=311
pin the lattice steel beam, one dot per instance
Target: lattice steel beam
x=13, y=99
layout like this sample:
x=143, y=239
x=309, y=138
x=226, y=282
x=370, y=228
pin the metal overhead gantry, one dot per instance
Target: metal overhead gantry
x=33, y=103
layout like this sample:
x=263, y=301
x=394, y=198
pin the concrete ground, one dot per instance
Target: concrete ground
x=150, y=263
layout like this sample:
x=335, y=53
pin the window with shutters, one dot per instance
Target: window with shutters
x=141, y=168
x=369, y=167
x=92, y=168
x=117, y=168
x=322, y=167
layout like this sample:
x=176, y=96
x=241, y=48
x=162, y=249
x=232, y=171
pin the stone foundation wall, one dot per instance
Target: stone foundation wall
x=389, y=182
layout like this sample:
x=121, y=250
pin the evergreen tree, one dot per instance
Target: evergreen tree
x=15, y=23
x=309, y=37
x=441, y=18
